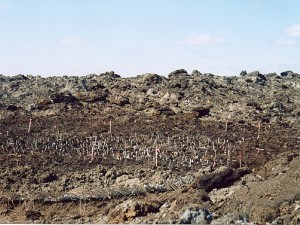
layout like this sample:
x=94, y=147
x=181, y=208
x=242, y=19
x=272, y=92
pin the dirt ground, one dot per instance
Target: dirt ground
x=147, y=169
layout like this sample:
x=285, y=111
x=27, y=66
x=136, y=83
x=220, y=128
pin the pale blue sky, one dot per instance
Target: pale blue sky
x=131, y=37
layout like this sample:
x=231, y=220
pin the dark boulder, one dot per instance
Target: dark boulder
x=180, y=72
x=243, y=73
x=12, y=108
x=152, y=79
x=49, y=178
x=110, y=74
x=223, y=179
x=286, y=73
x=66, y=97
x=166, y=111
x=33, y=215
x=261, y=79
x=18, y=77
x=201, y=111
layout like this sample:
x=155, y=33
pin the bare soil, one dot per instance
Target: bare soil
x=69, y=168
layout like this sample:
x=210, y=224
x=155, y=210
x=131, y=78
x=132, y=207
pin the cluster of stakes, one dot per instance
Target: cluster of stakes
x=160, y=148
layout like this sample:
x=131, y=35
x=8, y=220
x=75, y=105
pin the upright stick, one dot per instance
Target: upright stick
x=215, y=157
x=29, y=126
x=258, y=127
x=228, y=157
x=110, y=126
x=156, y=154
x=240, y=159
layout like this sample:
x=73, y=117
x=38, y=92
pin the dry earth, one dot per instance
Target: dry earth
x=228, y=149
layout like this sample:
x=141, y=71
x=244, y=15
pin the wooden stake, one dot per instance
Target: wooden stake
x=93, y=150
x=240, y=159
x=228, y=158
x=215, y=157
x=258, y=132
x=110, y=126
x=92, y=154
x=29, y=126
x=156, y=154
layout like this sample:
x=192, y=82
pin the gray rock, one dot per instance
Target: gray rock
x=196, y=73
x=196, y=216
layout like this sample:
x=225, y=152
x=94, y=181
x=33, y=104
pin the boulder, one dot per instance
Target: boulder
x=149, y=79
x=196, y=73
x=48, y=178
x=93, y=96
x=65, y=97
x=32, y=215
x=286, y=73
x=180, y=72
x=12, y=108
x=18, y=77
x=166, y=111
x=110, y=74
x=129, y=209
x=119, y=100
x=201, y=111
x=196, y=216
x=225, y=178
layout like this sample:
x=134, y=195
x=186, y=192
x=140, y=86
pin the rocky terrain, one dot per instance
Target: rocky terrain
x=185, y=148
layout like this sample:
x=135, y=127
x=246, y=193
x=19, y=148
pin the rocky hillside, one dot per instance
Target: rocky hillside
x=248, y=97
x=186, y=148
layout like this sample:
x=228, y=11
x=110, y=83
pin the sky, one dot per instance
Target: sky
x=133, y=37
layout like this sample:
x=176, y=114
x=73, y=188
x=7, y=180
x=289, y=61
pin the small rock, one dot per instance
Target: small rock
x=50, y=178
x=12, y=108
x=33, y=215
x=120, y=100
x=201, y=111
x=166, y=111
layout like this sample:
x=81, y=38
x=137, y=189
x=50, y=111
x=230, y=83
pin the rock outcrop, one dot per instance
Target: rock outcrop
x=248, y=97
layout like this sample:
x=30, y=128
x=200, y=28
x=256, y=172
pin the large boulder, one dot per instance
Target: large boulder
x=180, y=72
x=63, y=97
x=110, y=74
x=196, y=73
x=223, y=179
x=19, y=77
x=150, y=78
x=286, y=73
x=92, y=96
